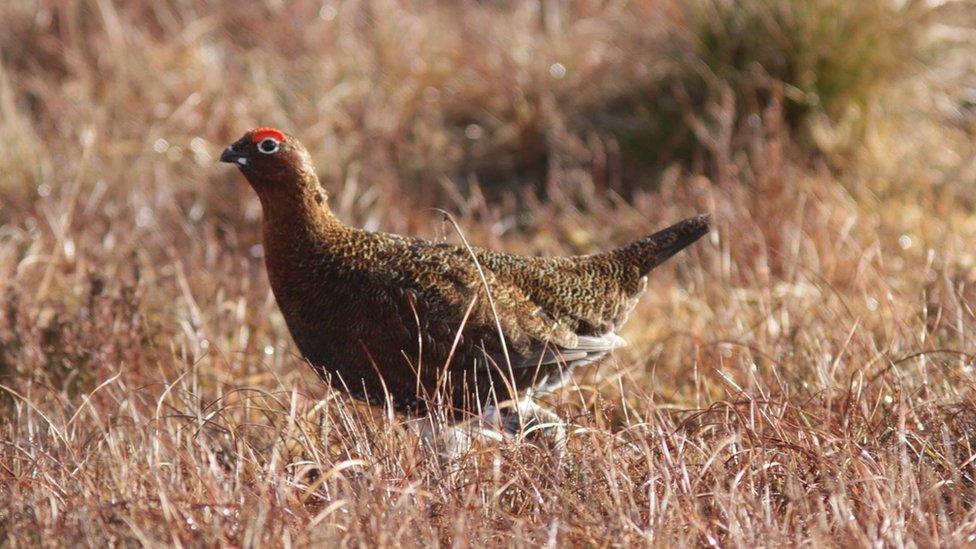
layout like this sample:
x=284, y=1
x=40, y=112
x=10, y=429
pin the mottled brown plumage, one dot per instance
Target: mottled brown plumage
x=406, y=321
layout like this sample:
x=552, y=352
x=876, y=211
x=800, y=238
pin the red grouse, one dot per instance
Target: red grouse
x=417, y=324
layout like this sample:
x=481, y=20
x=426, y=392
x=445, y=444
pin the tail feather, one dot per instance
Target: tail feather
x=652, y=250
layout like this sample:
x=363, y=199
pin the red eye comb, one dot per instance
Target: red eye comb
x=261, y=134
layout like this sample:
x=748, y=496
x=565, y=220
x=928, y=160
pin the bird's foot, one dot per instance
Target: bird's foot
x=524, y=421
x=452, y=441
x=532, y=423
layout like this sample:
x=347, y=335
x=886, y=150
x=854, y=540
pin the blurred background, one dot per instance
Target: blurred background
x=833, y=140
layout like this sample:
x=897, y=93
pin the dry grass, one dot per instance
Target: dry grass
x=804, y=375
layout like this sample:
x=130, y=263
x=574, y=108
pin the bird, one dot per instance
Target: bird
x=417, y=325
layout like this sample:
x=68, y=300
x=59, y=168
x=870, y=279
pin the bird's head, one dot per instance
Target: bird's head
x=272, y=161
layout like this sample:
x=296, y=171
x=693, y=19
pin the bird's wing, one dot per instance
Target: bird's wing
x=588, y=297
x=539, y=335
x=447, y=308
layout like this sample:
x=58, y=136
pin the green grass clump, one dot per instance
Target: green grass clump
x=735, y=68
x=828, y=56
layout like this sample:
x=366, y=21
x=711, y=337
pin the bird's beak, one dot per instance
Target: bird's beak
x=233, y=157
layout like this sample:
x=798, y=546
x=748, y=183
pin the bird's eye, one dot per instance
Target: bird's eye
x=269, y=145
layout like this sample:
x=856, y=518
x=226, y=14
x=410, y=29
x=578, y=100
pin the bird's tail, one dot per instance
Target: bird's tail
x=652, y=250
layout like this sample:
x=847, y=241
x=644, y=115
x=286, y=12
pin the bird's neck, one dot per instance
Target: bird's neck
x=297, y=215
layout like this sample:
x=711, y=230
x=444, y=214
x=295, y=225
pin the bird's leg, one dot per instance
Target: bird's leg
x=531, y=421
